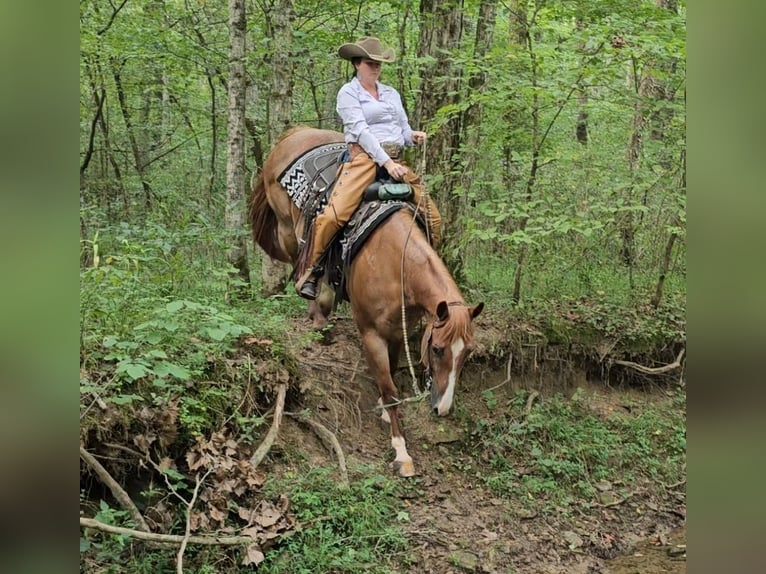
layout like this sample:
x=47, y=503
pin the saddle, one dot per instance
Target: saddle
x=310, y=179
x=342, y=250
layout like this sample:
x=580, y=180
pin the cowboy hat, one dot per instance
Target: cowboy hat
x=367, y=47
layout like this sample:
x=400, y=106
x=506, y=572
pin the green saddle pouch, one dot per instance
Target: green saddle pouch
x=395, y=191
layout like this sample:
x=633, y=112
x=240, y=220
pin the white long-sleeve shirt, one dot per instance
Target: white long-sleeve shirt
x=370, y=122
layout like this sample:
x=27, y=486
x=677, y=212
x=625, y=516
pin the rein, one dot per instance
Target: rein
x=423, y=196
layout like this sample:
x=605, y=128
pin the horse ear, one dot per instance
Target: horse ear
x=476, y=309
x=442, y=313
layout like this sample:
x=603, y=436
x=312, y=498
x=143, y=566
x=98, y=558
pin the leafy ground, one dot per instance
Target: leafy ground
x=549, y=469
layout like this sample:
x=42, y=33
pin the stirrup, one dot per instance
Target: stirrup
x=309, y=289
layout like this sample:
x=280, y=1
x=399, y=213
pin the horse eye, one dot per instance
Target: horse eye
x=438, y=351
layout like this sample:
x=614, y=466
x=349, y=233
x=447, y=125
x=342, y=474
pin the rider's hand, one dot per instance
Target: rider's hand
x=419, y=137
x=395, y=170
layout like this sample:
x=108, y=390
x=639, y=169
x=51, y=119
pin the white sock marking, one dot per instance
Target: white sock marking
x=397, y=442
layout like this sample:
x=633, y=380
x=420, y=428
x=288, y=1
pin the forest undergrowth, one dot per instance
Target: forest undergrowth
x=177, y=389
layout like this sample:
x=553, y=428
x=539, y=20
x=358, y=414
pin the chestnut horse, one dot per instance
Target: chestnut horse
x=396, y=266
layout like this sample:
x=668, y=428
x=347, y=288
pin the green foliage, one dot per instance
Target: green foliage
x=154, y=329
x=343, y=529
x=109, y=553
x=561, y=449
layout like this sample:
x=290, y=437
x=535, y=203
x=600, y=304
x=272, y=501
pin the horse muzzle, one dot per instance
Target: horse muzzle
x=440, y=405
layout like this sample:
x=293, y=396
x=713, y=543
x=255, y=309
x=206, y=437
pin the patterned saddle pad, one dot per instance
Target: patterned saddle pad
x=312, y=173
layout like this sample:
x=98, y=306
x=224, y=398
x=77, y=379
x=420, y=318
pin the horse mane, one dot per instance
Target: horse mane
x=459, y=324
x=263, y=221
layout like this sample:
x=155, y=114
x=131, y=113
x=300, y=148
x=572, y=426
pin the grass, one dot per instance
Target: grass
x=351, y=529
x=555, y=456
x=339, y=530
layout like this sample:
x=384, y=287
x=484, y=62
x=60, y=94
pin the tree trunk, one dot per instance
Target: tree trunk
x=274, y=273
x=281, y=98
x=235, y=164
x=626, y=222
x=537, y=142
x=471, y=121
x=581, y=127
x=441, y=31
x=138, y=155
x=672, y=238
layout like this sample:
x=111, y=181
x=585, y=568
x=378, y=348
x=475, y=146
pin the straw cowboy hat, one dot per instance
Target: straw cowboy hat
x=366, y=48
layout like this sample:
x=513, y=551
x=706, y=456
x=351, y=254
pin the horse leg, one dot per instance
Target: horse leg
x=393, y=362
x=321, y=307
x=377, y=353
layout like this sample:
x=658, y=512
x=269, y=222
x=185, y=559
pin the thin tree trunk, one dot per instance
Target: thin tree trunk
x=211, y=73
x=138, y=156
x=581, y=126
x=99, y=96
x=97, y=84
x=672, y=238
x=235, y=165
x=537, y=142
x=214, y=137
x=626, y=222
x=402, y=18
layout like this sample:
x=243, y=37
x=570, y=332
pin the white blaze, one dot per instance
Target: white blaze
x=449, y=394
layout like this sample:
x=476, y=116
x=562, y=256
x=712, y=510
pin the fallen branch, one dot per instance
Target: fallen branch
x=615, y=502
x=117, y=491
x=187, y=534
x=166, y=538
x=327, y=437
x=507, y=375
x=653, y=370
x=531, y=399
x=271, y=436
x=674, y=485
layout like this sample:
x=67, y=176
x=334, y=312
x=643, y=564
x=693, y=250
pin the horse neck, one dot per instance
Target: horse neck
x=433, y=283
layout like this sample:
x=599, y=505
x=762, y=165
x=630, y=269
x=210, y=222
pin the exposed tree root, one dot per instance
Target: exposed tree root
x=330, y=442
x=264, y=447
x=166, y=538
x=117, y=491
x=653, y=370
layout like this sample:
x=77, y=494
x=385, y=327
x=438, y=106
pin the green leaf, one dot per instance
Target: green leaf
x=217, y=334
x=165, y=368
x=156, y=354
x=125, y=399
x=134, y=370
x=174, y=306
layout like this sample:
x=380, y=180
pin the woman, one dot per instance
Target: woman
x=376, y=130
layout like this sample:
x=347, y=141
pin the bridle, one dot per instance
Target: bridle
x=425, y=359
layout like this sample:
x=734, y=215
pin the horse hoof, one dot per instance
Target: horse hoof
x=405, y=468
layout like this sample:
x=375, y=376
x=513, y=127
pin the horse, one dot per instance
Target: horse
x=396, y=267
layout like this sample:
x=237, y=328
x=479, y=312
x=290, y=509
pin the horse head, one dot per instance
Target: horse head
x=446, y=344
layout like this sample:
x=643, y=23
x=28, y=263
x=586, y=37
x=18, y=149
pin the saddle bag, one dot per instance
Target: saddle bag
x=388, y=191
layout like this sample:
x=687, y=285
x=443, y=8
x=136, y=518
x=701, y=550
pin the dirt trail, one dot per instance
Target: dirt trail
x=456, y=524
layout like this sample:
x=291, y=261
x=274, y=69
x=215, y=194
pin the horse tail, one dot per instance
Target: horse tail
x=263, y=221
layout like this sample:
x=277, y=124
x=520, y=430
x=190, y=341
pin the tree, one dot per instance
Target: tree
x=280, y=33
x=441, y=33
x=235, y=164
